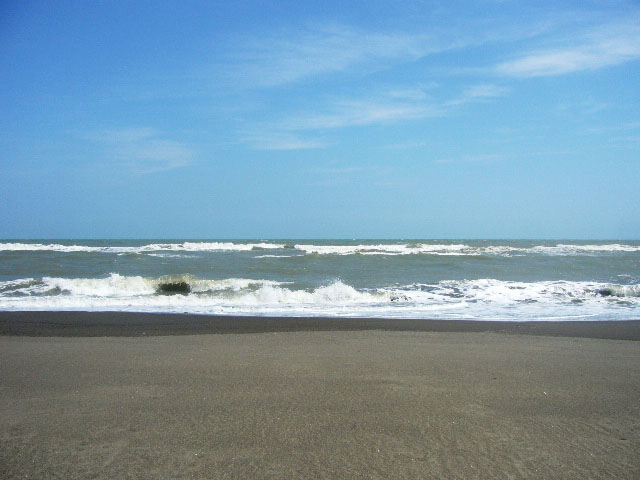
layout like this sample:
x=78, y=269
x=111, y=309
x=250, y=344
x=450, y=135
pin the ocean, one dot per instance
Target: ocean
x=424, y=279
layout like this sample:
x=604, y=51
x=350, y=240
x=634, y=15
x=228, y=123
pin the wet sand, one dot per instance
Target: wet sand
x=124, y=324
x=154, y=396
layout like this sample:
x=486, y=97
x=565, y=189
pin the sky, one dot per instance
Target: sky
x=324, y=119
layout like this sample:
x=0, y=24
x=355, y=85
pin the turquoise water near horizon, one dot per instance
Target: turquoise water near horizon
x=443, y=279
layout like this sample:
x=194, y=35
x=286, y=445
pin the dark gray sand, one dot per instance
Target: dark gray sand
x=124, y=324
x=363, y=403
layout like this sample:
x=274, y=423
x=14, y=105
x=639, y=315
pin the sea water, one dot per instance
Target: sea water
x=428, y=279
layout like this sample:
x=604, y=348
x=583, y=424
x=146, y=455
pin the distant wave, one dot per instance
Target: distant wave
x=153, y=247
x=462, y=249
x=457, y=299
x=410, y=248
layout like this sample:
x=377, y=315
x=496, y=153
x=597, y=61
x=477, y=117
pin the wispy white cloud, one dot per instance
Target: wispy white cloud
x=472, y=158
x=603, y=46
x=565, y=43
x=386, y=108
x=156, y=155
x=408, y=145
x=389, y=106
x=588, y=106
x=141, y=150
x=624, y=135
x=359, y=112
x=627, y=141
x=291, y=56
x=312, y=50
x=282, y=141
x=416, y=93
x=624, y=127
x=478, y=93
x=300, y=131
x=482, y=157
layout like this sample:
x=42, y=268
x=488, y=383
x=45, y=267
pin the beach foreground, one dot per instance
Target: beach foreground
x=524, y=401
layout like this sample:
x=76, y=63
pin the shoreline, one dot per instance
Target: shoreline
x=133, y=324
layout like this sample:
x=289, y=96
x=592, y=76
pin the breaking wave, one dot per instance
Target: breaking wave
x=152, y=247
x=409, y=248
x=413, y=248
x=479, y=299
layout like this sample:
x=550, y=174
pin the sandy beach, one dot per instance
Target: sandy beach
x=88, y=395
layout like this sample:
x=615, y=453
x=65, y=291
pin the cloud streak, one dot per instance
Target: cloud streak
x=282, y=141
x=282, y=59
x=474, y=158
x=606, y=46
x=295, y=131
x=354, y=113
x=476, y=93
x=142, y=150
x=567, y=44
x=314, y=50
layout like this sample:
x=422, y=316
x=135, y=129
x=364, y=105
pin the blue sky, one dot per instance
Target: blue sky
x=248, y=119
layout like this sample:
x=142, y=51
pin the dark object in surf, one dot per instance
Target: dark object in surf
x=605, y=292
x=399, y=298
x=174, y=287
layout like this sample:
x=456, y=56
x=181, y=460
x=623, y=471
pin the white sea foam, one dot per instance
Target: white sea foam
x=562, y=249
x=225, y=246
x=236, y=296
x=384, y=249
x=411, y=248
x=461, y=249
x=53, y=247
x=277, y=256
x=113, y=286
x=472, y=299
x=153, y=247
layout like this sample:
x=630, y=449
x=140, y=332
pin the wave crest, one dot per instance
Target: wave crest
x=469, y=299
x=410, y=248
